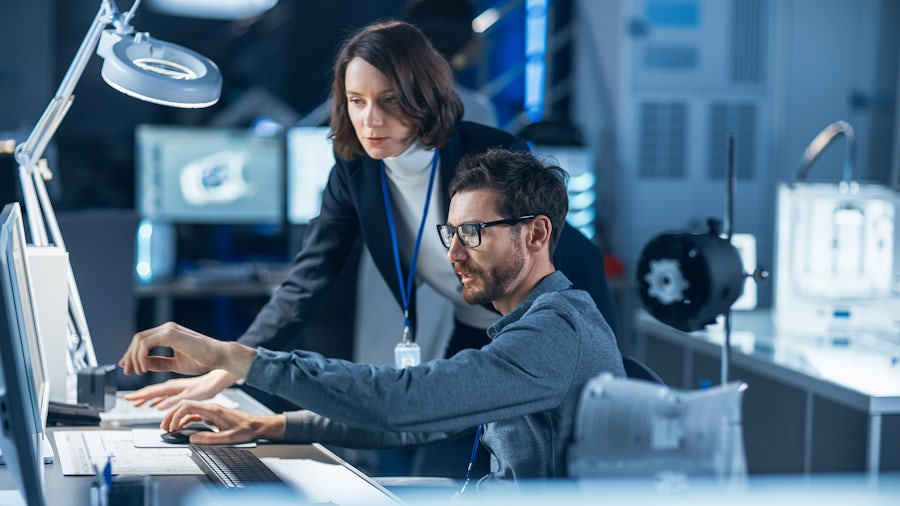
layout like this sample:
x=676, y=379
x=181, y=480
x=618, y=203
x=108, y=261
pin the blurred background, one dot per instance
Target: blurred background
x=635, y=98
x=637, y=94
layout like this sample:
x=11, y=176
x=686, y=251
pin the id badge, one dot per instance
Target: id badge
x=407, y=354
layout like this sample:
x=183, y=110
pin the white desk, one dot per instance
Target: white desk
x=834, y=401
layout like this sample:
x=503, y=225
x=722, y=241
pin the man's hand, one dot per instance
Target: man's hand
x=234, y=426
x=169, y=393
x=192, y=352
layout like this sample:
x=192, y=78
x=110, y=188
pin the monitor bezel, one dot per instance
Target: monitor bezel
x=28, y=303
x=21, y=431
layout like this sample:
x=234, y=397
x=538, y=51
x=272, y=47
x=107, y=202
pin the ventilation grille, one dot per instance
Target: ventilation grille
x=740, y=120
x=663, y=139
x=745, y=64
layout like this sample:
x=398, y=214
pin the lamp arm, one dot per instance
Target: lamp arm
x=821, y=141
x=29, y=152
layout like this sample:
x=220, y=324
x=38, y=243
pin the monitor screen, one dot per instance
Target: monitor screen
x=209, y=175
x=310, y=157
x=21, y=426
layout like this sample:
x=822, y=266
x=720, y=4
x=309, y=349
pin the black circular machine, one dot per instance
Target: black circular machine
x=688, y=279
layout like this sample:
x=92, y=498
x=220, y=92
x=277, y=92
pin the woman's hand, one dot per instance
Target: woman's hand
x=169, y=393
x=234, y=426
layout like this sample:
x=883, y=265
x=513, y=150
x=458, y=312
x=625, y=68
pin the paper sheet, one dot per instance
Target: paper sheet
x=334, y=483
x=80, y=452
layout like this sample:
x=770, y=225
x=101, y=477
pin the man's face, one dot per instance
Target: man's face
x=490, y=271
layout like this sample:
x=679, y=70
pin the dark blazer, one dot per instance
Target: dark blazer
x=352, y=204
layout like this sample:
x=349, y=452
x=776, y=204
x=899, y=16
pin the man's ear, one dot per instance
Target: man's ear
x=539, y=232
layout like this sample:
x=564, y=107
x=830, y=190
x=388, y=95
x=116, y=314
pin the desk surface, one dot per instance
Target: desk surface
x=75, y=490
x=861, y=371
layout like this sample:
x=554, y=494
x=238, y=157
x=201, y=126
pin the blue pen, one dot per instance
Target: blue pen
x=100, y=491
x=107, y=471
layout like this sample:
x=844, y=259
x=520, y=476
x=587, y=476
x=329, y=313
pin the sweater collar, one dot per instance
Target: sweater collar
x=414, y=161
x=554, y=282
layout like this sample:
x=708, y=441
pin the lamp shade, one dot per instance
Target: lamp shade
x=157, y=71
x=212, y=9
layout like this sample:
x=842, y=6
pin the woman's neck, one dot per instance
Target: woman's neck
x=414, y=160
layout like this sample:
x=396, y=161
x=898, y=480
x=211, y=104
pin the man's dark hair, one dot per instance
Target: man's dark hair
x=421, y=77
x=523, y=185
x=446, y=23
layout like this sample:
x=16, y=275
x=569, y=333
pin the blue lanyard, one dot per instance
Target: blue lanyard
x=406, y=288
x=471, y=459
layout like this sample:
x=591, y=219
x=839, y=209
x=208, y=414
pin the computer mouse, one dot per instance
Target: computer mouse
x=183, y=435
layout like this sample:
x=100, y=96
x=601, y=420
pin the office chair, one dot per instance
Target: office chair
x=635, y=429
x=635, y=369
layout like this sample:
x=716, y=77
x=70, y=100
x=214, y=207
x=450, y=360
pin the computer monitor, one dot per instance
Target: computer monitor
x=209, y=175
x=25, y=292
x=21, y=424
x=310, y=157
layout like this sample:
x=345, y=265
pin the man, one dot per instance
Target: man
x=506, y=215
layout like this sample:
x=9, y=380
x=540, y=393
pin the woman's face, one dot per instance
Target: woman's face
x=374, y=111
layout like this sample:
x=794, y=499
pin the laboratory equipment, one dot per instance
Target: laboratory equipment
x=836, y=250
x=637, y=429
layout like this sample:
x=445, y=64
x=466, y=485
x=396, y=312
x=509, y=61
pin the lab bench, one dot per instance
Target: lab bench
x=815, y=403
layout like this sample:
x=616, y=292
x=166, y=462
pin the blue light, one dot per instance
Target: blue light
x=535, y=52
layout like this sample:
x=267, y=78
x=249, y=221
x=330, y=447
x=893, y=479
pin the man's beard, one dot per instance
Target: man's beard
x=496, y=281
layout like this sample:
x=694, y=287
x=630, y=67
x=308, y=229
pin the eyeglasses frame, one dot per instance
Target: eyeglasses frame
x=478, y=229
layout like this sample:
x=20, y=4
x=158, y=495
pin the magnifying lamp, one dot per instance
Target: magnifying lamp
x=137, y=65
x=213, y=9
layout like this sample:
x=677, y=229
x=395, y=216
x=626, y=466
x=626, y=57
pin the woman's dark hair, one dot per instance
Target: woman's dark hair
x=421, y=77
x=523, y=185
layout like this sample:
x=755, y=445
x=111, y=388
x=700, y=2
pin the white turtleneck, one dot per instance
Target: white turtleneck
x=407, y=177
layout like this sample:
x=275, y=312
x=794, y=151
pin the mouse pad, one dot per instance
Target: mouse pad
x=150, y=438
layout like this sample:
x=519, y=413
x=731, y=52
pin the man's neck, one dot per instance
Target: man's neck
x=517, y=294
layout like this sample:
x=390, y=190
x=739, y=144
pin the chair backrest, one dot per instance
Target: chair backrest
x=635, y=369
x=629, y=428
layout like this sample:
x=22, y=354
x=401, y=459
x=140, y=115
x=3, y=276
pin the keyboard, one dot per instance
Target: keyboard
x=233, y=467
x=125, y=413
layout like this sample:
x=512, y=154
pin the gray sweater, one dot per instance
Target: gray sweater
x=523, y=386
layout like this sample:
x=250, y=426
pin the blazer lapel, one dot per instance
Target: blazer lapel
x=374, y=223
x=450, y=156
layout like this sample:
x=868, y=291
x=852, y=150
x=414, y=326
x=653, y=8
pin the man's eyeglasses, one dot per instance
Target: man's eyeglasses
x=470, y=233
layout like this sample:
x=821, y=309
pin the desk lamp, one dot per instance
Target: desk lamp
x=213, y=9
x=135, y=64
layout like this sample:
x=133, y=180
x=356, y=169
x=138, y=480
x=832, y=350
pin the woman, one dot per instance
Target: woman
x=397, y=140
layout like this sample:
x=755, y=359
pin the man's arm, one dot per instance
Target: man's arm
x=305, y=427
x=515, y=375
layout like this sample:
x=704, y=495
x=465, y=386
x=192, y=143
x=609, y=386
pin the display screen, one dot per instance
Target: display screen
x=209, y=175
x=310, y=157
